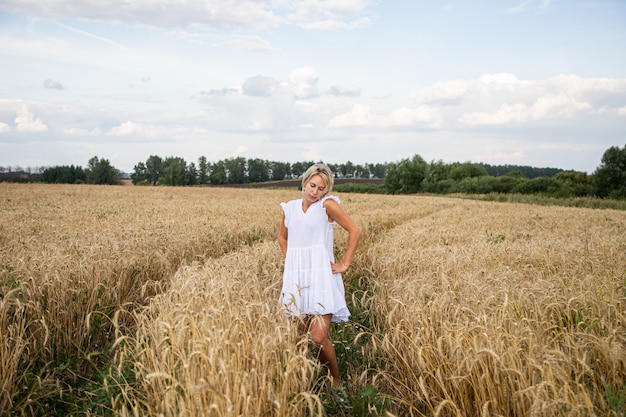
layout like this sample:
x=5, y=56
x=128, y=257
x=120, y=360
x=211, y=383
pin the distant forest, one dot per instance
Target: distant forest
x=78, y=174
x=527, y=171
x=408, y=176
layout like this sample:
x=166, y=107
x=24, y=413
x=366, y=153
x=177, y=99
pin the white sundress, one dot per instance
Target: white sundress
x=309, y=286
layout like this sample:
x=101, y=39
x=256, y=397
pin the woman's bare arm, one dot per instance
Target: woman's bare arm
x=282, y=236
x=336, y=213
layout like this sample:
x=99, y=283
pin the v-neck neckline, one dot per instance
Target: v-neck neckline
x=308, y=208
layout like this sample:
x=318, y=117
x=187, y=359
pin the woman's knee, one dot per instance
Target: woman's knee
x=319, y=330
x=319, y=338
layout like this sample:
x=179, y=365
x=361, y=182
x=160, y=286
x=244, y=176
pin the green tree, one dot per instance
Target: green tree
x=258, y=170
x=235, y=170
x=378, y=170
x=436, y=172
x=203, y=170
x=609, y=179
x=64, y=175
x=406, y=176
x=466, y=170
x=218, y=173
x=347, y=169
x=539, y=185
x=579, y=184
x=483, y=184
x=335, y=168
x=174, y=172
x=154, y=169
x=192, y=174
x=139, y=174
x=507, y=182
x=299, y=168
x=280, y=170
x=361, y=171
x=100, y=171
x=527, y=171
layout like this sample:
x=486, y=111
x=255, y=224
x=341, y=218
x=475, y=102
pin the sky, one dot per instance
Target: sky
x=523, y=82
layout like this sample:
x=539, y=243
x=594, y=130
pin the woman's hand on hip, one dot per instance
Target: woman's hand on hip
x=338, y=268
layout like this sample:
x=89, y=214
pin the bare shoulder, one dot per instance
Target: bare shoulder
x=332, y=205
x=335, y=212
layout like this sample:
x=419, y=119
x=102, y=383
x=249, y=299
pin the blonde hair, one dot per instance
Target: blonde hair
x=323, y=171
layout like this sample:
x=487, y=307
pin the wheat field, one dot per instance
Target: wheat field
x=153, y=301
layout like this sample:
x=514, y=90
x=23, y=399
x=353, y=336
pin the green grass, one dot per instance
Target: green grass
x=584, y=202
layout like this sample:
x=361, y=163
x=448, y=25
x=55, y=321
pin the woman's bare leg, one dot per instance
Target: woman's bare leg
x=302, y=343
x=319, y=327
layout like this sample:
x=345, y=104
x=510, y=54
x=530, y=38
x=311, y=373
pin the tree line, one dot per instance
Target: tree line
x=414, y=175
x=176, y=171
x=98, y=171
x=410, y=175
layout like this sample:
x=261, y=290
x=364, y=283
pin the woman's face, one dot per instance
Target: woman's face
x=314, y=189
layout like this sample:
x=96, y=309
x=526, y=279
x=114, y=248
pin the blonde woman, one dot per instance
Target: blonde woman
x=312, y=284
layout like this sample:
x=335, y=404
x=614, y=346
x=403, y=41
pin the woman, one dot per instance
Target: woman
x=312, y=285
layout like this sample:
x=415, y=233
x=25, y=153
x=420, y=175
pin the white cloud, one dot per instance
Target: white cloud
x=362, y=116
x=499, y=78
x=486, y=88
x=216, y=92
x=133, y=129
x=26, y=122
x=251, y=44
x=324, y=25
x=303, y=82
x=213, y=13
x=4, y=127
x=499, y=99
x=164, y=13
x=309, y=9
x=422, y=115
x=55, y=85
x=260, y=86
x=443, y=92
x=337, y=90
x=381, y=94
x=560, y=105
x=593, y=87
x=306, y=106
x=621, y=111
x=167, y=129
x=76, y=131
x=507, y=113
x=546, y=107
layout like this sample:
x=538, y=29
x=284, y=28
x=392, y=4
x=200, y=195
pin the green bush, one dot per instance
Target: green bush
x=610, y=177
x=405, y=177
x=439, y=187
x=539, y=185
x=360, y=188
x=506, y=184
x=476, y=185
